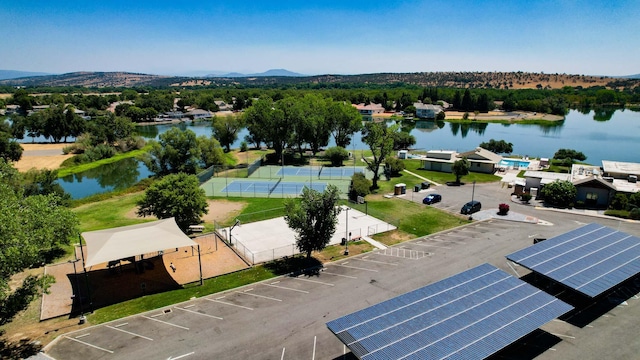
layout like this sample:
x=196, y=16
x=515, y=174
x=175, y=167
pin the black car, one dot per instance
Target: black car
x=432, y=199
x=471, y=207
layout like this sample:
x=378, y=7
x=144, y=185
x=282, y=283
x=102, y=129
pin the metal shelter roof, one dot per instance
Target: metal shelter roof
x=470, y=315
x=591, y=259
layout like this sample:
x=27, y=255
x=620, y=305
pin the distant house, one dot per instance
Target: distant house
x=223, y=106
x=370, y=109
x=481, y=160
x=427, y=111
x=199, y=114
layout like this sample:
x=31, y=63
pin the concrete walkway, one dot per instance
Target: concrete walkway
x=422, y=177
x=377, y=244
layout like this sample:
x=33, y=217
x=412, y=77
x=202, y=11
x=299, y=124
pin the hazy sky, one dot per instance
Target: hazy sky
x=320, y=37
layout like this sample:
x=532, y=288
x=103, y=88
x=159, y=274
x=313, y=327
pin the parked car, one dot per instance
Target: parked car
x=471, y=207
x=432, y=199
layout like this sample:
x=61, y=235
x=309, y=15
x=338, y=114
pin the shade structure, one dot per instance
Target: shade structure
x=591, y=259
x=471, y=315
x=122, y=242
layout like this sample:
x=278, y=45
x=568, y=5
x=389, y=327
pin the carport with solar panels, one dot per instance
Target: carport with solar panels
x=471, y=315
x=590, y=260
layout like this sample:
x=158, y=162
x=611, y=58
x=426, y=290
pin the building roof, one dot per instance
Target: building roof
x=126, y=241
x=421, y=106
x=549, y=176
x=471, y=315
x=619, y=167
x=594, y=181
x=591, y=259
x=481, y=155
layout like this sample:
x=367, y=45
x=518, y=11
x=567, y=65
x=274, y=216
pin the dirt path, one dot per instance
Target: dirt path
x=41, y=156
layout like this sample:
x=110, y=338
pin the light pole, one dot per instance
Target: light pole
x=473, y=191
x=347, y=235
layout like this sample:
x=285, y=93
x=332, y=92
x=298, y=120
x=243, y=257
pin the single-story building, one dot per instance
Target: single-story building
x=535, y=180
x=198, y=114
x=594, y=191
x=481, y=160
x=438, y=160
x=223, y=106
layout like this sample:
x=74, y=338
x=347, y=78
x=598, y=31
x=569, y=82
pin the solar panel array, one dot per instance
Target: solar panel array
x=470, y=315
x=591, y=259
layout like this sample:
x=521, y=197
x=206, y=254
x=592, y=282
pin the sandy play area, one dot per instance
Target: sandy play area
x=41, y=156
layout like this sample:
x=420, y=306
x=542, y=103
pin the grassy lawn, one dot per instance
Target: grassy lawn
x=74, y=169
x=109, y=213
x=442, y=177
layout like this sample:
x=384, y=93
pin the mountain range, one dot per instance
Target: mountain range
x=501, y=80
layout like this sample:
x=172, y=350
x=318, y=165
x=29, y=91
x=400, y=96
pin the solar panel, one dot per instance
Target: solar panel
x=591, y=259
x=469, y=315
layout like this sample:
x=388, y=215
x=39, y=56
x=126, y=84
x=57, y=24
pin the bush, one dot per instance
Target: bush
x=559, y=193
x=360, y=186
x=336, y=155
x=244, y=146
x=394, y=166
x=635, y=214
x=99, y=152
x=580, y=204
x=619, y=202
x=526, y=197
x=503, y=209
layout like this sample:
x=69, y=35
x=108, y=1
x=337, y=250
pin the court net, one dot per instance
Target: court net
x=275, y=186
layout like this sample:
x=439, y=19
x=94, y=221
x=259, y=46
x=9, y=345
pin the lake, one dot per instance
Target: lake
x=609, y=135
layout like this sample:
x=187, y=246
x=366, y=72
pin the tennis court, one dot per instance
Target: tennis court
x=270, y=187
x=320, y=172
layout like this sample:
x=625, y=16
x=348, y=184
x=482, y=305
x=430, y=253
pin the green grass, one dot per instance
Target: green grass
x=257, y=209
x=413, y=165
x=109, y=213
x=155, y=301
x=65, y=171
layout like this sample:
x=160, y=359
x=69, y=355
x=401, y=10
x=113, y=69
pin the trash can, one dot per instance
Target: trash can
x=400, y=189
x=426, y=185
x=416, y=188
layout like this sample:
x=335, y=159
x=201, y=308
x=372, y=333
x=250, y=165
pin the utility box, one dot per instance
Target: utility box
x=416, y=188
x=400, y=189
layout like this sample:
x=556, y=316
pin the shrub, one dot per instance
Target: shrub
x=336, y=155
x=360, y=186
x=580, y=204
x=526, y=197
x=559, y=193
x=503, y=209
x=619, y=202
x=244, y=146
x=394, y=165
x=635, y=214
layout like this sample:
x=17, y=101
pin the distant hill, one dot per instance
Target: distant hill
x=14, y=74
x=483, y=80
x=272, y=72
x=636, y=76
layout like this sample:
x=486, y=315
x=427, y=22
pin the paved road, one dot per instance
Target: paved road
x=285, y=318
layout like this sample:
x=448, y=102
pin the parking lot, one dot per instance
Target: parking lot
x=284, y=318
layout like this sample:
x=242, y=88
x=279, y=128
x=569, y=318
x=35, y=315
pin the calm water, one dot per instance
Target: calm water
x=601, y=136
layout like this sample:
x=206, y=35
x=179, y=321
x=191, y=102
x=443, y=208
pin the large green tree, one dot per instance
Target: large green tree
x=10, y=149
x=498, y=146
x=267, y=123
x=313, y=217
x=175, y=195
x=568, y=156
x=379, y=138
x=226, y=128
x=32, y=229
x=211, y=152
x=344, y=120
x=176, y=151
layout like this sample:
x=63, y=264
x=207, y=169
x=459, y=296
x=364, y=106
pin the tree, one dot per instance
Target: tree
x=211, y=152
x=10, y=149
x=225, y=129
x=559, y=193
x=175, y=195
x=337, y=155
x=360, y=186
x=379, y=138
x=177, y=151
x=498, y=146
x=32, y=230
x=394, y=166
x=313, y=217
x=568, y=156
x=403, y=140
x=460, y=168
x=267, y=123
x=467, y=101
x=344, y=120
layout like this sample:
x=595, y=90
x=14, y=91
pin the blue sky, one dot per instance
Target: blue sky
x=321, y=37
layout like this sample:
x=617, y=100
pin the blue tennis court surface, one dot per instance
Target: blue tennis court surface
x=269, y=187
x=591, y=259
x=471, y=315
x=318, y=171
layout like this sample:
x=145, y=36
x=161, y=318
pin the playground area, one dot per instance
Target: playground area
x=268, y=240
x=281, y=181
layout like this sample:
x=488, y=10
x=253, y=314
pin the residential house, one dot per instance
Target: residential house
x=438, y=160
x=223, y=106
x=481, y=160
x=199, y=114
x=427, y=111
x=369, y=110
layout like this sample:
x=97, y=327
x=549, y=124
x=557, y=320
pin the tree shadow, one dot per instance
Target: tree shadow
x=295, y=266
x=18, y=350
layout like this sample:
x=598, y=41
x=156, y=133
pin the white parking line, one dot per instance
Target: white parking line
x=180, y=356
x=83, y=335
x=282, y=357
x=313, y=357
x=428, y=245
x=258, y=296
x=355, y=267
x=285, y=288
x=123, y=324
x=376, y=261
x=313, y=281
x=91, y=345
x=449, y=241
x=346, y=276
x=129, y=332
x=164, y=322
x=199, y=313
x=228, y=303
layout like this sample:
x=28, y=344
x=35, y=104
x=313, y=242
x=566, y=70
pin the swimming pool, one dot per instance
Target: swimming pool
x=514, y=163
